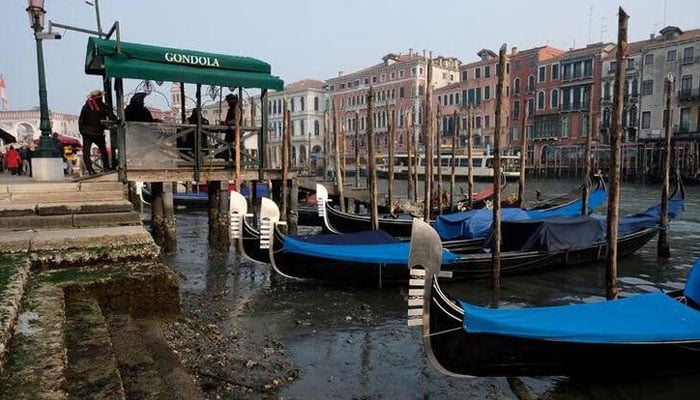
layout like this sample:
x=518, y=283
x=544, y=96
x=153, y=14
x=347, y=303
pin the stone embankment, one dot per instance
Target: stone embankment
x=82, y=295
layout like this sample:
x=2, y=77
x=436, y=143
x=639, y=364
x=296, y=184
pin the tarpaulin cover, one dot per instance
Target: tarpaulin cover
x=477, y=223
x=653, y=317
x=650, y=217
x=354, y=250
x=364, y=237
x=552, y=234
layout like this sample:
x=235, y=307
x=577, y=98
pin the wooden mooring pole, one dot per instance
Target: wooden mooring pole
x=496, y=245
x=371, y=162
x=392, y=137
x=218, y=207
x=453, y=162
x=523, y=149
x=470, y=172
x=338, y=167
x=357, y=149
x=615, y=149
x=286, y=140
x=587, y=156
x=663, y=248
x=438, y=150
x=410, y=192
x=428, y=129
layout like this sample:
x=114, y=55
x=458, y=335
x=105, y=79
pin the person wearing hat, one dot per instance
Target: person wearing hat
x=92, y=129
x=137, y=111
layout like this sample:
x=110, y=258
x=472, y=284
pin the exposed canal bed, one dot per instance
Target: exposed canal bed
x=246, y=333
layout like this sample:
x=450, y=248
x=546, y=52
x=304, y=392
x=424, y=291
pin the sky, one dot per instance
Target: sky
x=309, y=39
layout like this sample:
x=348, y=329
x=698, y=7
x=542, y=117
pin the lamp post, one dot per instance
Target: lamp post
x=46, y=168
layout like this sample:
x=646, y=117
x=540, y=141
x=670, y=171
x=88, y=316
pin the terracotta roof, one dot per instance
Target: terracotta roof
x=305, y=84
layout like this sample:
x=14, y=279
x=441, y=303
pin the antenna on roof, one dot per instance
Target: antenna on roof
x=590, y=24
x=665, y=4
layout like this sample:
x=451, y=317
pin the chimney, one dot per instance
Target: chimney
x=651, y=36
x=513, y=51
x=340, y=73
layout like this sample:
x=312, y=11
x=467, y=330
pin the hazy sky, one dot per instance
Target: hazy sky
x=310, y=38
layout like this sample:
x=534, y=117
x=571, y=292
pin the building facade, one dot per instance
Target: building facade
x=399, y=83
x=24, y=124
x=308, y=101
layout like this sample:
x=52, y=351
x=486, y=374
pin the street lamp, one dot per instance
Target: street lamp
x=46, y=152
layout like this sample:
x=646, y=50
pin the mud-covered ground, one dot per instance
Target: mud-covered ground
x=248, y=334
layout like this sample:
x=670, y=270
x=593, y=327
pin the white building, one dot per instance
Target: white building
x=24, y=124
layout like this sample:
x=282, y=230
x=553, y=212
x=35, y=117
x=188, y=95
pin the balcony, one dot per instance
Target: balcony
x=689, y=95
x=686, y=131
x=573, y=107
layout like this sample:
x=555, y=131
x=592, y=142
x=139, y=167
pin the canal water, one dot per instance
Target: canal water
x=350, y=343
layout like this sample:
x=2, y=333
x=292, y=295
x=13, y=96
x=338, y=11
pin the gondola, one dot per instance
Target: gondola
x=198, y=199
x=251, y=240
x=399, y=225
x=529, y=246
x=648, y=334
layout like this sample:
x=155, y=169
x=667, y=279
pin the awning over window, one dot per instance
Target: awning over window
x=139, y=61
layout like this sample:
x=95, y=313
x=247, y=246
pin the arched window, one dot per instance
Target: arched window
x=555, y=99
x=516, y=86
x=540, y=101
x=316, y=103
x=301, y=101
x=317, y=128
x=531, y=84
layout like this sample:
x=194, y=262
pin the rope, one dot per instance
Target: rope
x=443, y=332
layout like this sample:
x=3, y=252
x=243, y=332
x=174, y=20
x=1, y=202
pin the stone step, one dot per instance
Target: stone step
x=148, y=366
x=36, y=363
x=22, y=209
x=14, y=275
x=92, y=371
x=68, y=221
x=87, y=243
x=63, y=192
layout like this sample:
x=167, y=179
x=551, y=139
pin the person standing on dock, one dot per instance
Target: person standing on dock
x=136, y=110
x=92, y=129
x=233, y=115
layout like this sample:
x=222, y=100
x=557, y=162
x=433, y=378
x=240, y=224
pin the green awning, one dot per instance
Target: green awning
x=140, y=61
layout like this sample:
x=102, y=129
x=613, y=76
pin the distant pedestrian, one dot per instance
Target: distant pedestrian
x=13, y=160
x=26, y=155
x=233, y=118
x=92, y=129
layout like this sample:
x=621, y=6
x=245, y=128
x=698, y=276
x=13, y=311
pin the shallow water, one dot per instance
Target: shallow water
x=354, y=343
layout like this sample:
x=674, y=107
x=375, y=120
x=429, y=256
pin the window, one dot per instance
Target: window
x=487, y=121
x=477, y=73
x=584, y=126
x=516, y=109
x=516, y=86
x=542, y=75
x=531, y=84
x=688, y=55
x=316, y=103
x=402, y=92
x=630, y=63
x=291, y=104
x=464, y=75
x=686, y=85
x=487, y=71
x=531, y=107
x=671, y=56
x=613, y=67
x=540, y=101
x=477, y=122
x=555, y=71
x=685, y=120
x=649, y=59
x=317, y=128
x=646, y=119
x=555, y=99
x=487, y=92
x=565, y=126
